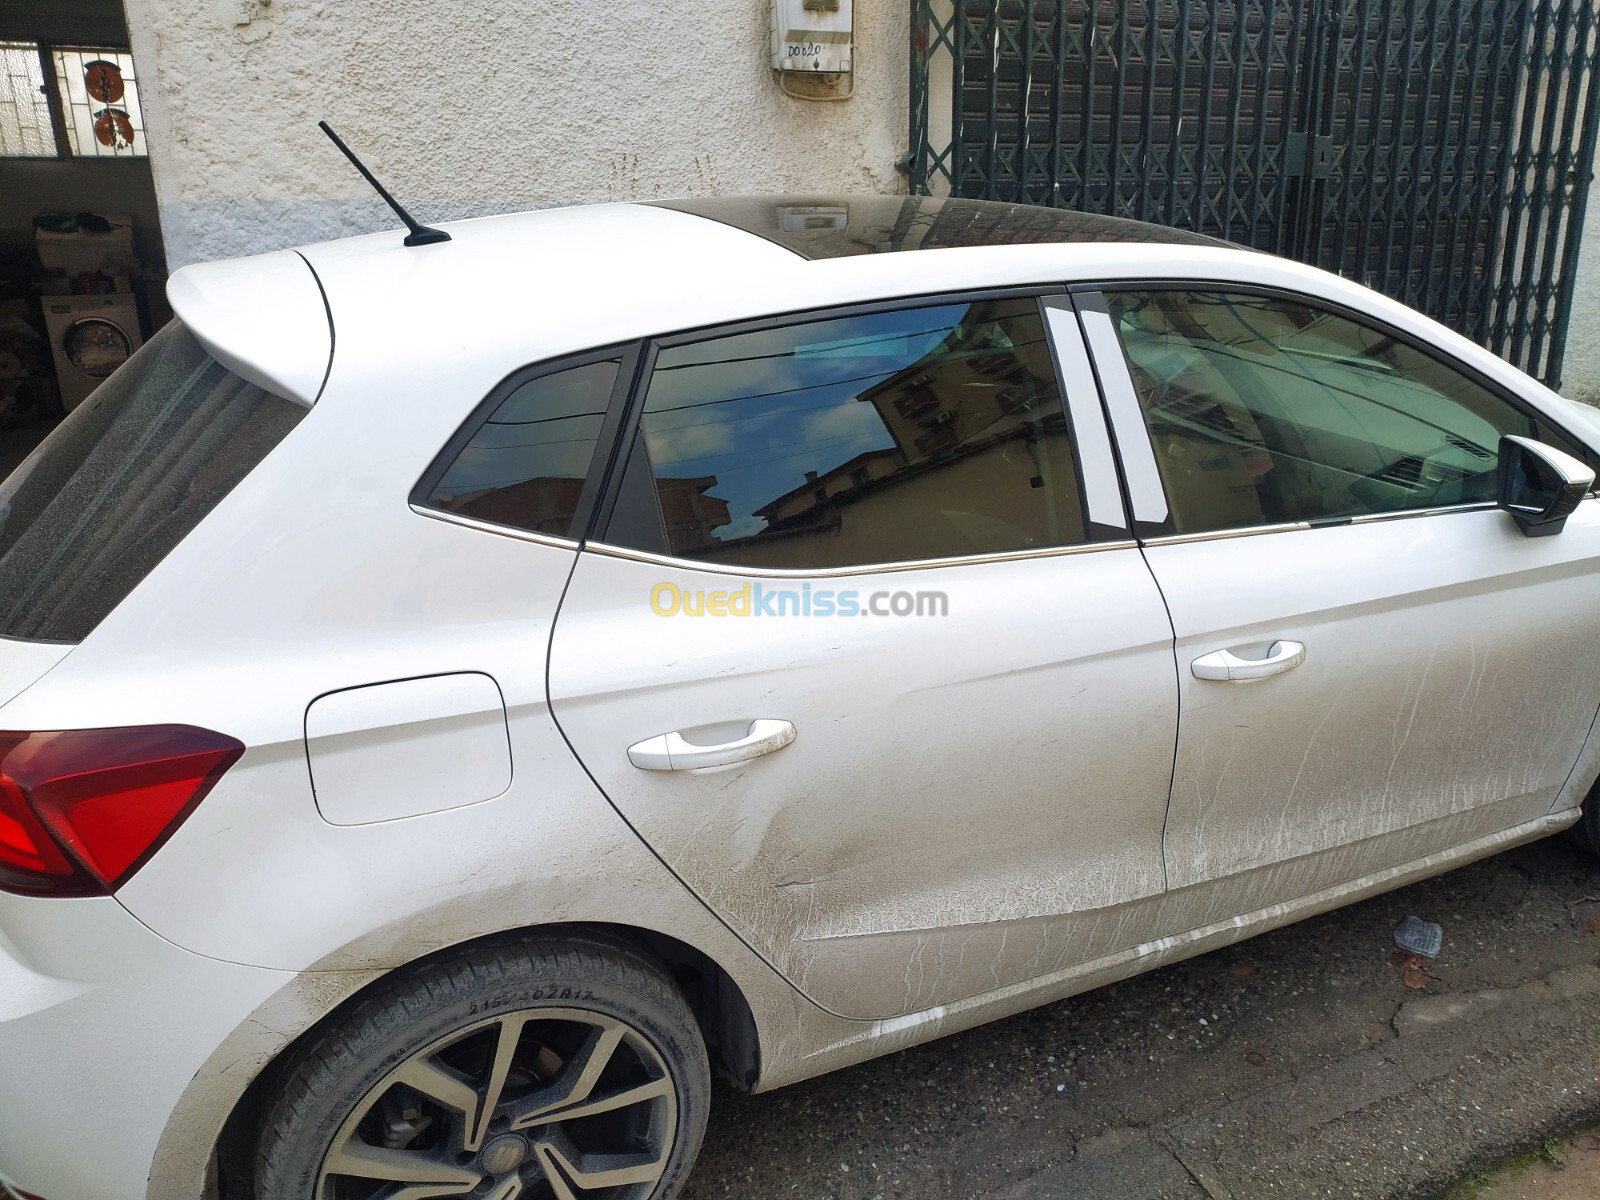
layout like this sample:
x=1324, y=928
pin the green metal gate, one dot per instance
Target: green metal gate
x=1437, y=150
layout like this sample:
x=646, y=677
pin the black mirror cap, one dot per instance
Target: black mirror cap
x=1539, y=485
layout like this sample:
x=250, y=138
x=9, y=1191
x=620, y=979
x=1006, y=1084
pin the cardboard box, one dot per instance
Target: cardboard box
x=110, y=253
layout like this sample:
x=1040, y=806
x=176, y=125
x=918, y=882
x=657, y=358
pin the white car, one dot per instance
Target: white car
x=463, y=693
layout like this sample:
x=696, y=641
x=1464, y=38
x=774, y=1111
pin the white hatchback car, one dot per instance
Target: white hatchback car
x=463, y=693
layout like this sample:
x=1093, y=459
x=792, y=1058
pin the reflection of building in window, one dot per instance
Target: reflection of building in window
x=964, y=389
x=971, y=392
x=850, y=476
x=689, y=514
x=980, y=462
x=543, y=505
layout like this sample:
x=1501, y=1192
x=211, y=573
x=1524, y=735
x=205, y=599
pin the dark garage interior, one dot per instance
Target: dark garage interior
x=82, y=270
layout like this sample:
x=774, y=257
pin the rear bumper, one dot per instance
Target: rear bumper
x=103, y=1025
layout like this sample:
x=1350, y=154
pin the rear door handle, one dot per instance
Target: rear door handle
x=1228, y=667
x=670, y=752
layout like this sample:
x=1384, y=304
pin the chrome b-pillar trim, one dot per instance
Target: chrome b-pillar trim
x=1151, y=515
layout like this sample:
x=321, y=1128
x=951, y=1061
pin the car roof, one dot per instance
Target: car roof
x=507, y=291
x=426, y=332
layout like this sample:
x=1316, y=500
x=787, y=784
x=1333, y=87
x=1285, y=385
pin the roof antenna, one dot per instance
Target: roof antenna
x=420, y=235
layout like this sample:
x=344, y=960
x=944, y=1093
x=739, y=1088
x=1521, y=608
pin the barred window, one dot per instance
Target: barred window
x=25, y=127
x=61, y=101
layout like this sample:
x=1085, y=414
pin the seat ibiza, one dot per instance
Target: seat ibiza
x=446, y=721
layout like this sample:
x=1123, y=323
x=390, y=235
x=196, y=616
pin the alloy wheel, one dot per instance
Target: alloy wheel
x=540, y=1104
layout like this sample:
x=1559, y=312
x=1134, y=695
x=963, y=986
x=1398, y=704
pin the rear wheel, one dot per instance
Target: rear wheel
x=531, y=1071
x=1586, y=832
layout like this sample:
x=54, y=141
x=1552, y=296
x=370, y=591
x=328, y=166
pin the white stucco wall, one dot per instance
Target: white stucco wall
x=494, y=105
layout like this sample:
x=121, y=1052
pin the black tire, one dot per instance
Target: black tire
x=1586, y=833
x=339, y=1096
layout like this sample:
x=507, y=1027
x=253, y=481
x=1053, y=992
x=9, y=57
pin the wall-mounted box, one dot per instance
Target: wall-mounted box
x=812, y=35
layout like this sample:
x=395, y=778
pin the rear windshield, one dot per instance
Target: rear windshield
x=130, y=472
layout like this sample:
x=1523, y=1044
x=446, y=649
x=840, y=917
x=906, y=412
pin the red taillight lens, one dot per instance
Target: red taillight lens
x=82, y=810
x=29, y=857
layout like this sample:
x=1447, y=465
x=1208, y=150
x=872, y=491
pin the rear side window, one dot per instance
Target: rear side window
x=525, y=465
x=917, y=433
x=121, y=482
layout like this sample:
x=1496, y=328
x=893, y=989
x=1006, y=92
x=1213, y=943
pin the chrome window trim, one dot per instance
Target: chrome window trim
x=923, y=564
x=1217, y=535
x=665, y=560
x=1098, y=481
x=1147, y=494
x=1399, y=514
x=510, y=531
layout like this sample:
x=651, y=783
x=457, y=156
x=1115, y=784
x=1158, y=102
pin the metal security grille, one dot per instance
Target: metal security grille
x=1437, y=150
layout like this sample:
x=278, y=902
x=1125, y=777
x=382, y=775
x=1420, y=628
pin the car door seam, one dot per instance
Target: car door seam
x=1177, y=718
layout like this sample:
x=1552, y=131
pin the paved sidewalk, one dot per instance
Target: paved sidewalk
x=1310, y=1062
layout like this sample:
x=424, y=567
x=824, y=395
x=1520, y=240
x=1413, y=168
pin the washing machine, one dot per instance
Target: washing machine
x=90, y=337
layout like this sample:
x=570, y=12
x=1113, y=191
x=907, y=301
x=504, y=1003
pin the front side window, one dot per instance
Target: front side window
x=1265, y=410
x=920, y=433
x=123, y=479
x=525, y=465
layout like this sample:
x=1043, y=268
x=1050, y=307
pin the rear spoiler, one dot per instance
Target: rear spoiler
x=263, y=317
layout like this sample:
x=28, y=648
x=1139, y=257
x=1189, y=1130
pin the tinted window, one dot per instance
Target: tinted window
x=122, y=480
x=525, y=465
x=1265, y=410
x=918, y=433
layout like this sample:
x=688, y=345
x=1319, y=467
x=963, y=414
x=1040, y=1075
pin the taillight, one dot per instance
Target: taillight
x=82, y=810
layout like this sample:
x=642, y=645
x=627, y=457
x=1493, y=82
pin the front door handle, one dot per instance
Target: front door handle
x=670, y=752
x=1228, y=667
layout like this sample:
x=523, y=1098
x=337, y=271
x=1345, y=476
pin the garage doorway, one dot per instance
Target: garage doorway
x=82, y=265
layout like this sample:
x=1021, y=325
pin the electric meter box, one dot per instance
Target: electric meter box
x=811, y=35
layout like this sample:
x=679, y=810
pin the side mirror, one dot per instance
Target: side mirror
x=1539, y=485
